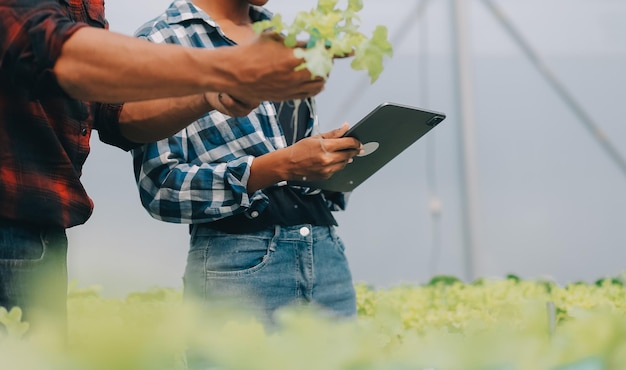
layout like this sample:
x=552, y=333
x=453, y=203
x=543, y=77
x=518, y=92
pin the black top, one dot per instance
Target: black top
x=287, y=205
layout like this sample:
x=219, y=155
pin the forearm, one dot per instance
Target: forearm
x=152, y=120
x=268, y=170
x=313, y=158
x=118, y=68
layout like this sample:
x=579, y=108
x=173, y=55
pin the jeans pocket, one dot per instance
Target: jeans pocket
x=21, y=247
x=339, y=245
x=234, y=255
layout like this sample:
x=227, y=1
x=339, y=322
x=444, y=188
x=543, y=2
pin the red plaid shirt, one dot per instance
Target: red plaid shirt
x=44, y=134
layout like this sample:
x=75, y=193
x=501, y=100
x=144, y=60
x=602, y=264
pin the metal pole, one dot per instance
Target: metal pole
x=435, y=205
x=467, y=141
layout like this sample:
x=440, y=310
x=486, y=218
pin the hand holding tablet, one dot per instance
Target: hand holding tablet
x=385, y=132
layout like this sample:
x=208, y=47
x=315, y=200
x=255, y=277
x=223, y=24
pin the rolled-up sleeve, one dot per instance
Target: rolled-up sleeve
x=32, y=34
x=175, y=186
x=106, y=122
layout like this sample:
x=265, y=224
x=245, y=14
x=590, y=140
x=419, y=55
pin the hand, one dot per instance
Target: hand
x=230, y=106
x=319, y=157
x=265, y=70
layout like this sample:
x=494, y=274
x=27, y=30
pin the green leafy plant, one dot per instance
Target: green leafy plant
x=332, y=32
x=12, y=323
x=498, y=324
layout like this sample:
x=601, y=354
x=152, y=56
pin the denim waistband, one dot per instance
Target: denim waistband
x=292, y=231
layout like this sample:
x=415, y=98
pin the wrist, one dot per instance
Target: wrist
x=268, y=170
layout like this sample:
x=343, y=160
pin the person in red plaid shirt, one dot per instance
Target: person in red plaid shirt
x=57, y=59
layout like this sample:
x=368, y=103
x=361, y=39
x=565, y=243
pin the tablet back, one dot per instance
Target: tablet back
x=385, y=132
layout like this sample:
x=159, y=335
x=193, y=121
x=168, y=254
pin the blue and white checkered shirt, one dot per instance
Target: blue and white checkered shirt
x=200, y=174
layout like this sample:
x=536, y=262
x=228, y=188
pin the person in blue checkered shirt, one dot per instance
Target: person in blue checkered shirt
x=256, y=241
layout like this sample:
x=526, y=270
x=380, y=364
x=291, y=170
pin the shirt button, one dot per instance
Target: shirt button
x=83, y=131
x=304, y=231
x=254, y=214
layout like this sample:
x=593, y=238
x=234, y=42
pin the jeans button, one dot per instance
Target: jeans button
x=304, y=231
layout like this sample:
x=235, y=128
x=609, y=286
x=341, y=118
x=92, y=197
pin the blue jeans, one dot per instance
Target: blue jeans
x=33, y=273
x=264, y=271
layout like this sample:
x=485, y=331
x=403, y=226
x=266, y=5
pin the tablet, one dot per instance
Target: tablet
x=385, y=132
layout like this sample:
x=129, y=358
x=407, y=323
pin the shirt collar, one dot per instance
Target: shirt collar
x=184, y=10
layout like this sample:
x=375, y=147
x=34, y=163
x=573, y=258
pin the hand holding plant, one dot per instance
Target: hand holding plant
x=332, y=33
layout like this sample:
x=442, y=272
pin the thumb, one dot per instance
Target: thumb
x=337, y=133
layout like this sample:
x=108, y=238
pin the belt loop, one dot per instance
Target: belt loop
x=332, y=231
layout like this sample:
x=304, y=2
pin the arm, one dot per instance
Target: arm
x=178, y=186
x=316, y=157
x=40, y=47
x=152, y=120
x=174, y=186
x=120, y=68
